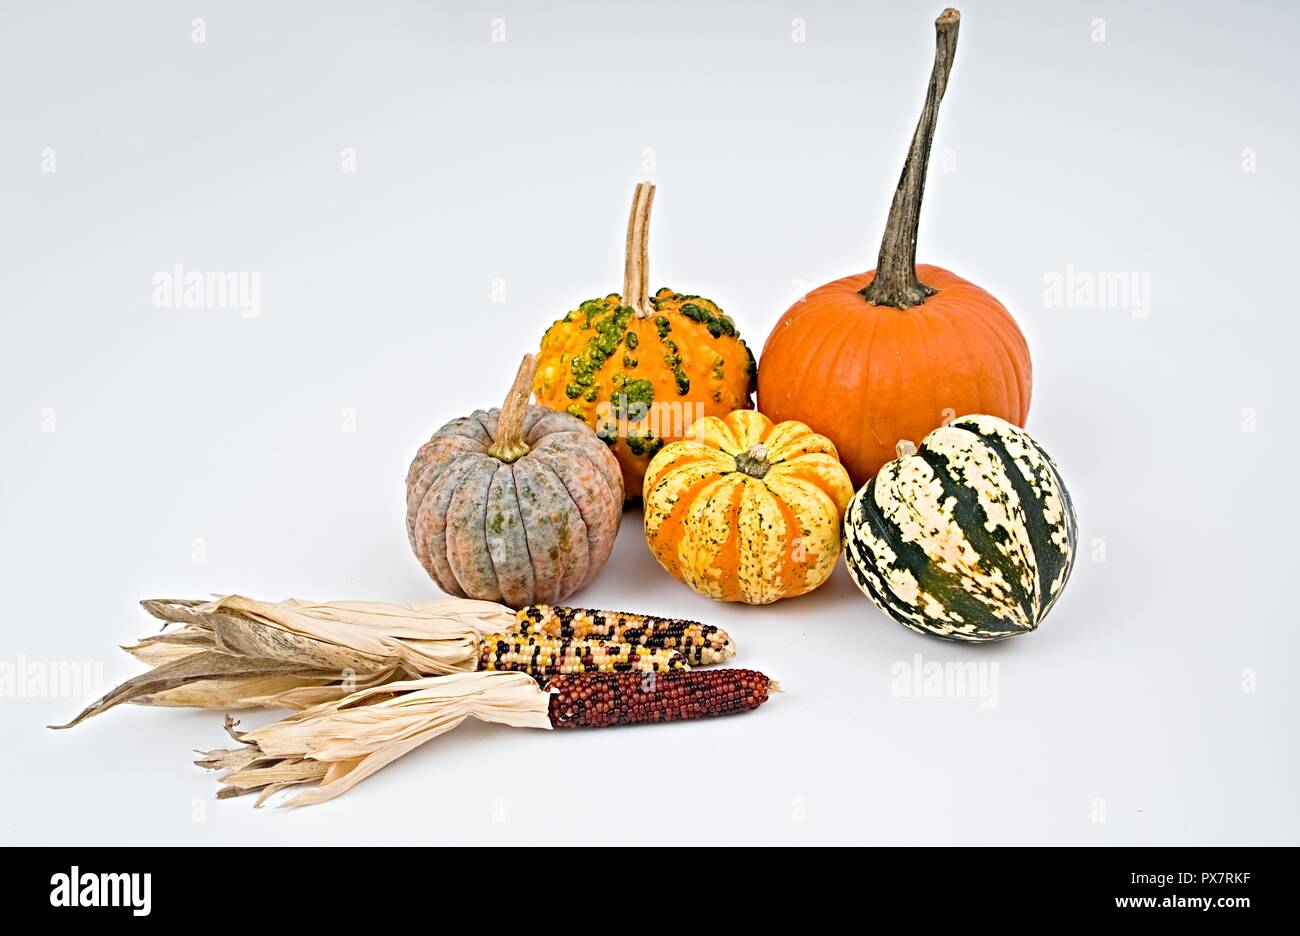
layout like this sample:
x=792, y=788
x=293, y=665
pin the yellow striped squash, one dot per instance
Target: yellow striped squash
x=747, y=510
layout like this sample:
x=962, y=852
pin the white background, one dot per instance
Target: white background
x=183, y=434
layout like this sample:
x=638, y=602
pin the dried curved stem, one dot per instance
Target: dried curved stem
x=896, y=283
x=753, y=461
x=636, y=257
x=510, y=444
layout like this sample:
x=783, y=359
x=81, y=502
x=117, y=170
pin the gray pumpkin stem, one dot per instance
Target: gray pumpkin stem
x=896, y=283
x=636, y=256
x=510, y=445
x=753, y=461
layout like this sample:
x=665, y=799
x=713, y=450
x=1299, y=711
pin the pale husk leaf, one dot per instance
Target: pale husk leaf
x=292, y=691
x=174, y=610
x=195, y=667
x=235, y=652
x=427, y=639
x=172, y=645
x=337, y=744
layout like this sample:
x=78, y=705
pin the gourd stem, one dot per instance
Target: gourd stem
x=636, y=257
x=904, y=448
x=510, y=445
x=896, y=283
x=753, y=461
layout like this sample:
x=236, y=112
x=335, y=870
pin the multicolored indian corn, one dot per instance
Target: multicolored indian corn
x=700, y=644
x=598, y=700
x=334, y=745
x=540, y=656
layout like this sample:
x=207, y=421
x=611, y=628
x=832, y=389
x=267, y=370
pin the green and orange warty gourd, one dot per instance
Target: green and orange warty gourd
x=745, y=510
x=518, y=505
x=640, y=369
x=894, y=353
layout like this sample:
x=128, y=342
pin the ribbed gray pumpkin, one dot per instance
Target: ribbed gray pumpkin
x=518, y=505
x=970, y=537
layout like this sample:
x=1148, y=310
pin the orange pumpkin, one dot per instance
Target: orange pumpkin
x=744, y=510
x=895, y=353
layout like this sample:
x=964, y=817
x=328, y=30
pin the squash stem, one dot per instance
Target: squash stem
x=636, y=257
x=753, y=461
x=896, y=283
x=510, y=445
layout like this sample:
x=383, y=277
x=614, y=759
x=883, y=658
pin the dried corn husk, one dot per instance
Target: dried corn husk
x=430, y=638
x=295, y=691
x=236, y=652
x=171, y=645
x=334, y=745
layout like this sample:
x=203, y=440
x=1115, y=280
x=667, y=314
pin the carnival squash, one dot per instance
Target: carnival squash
x=518, y=505
x=970, y=537
x=745, y=510
x=892, y=353
x=640, y=369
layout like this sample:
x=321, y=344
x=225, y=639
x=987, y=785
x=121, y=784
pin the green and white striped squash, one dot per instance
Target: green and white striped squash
x=970, y=537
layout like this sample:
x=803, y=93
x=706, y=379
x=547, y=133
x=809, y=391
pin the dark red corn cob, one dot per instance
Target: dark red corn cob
x=597, y=700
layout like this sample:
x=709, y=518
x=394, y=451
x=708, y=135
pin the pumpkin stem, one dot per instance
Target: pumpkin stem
x=753, y=462
x=896, y=283
x=636, y=257
x=510, y=445
x=904, y=448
